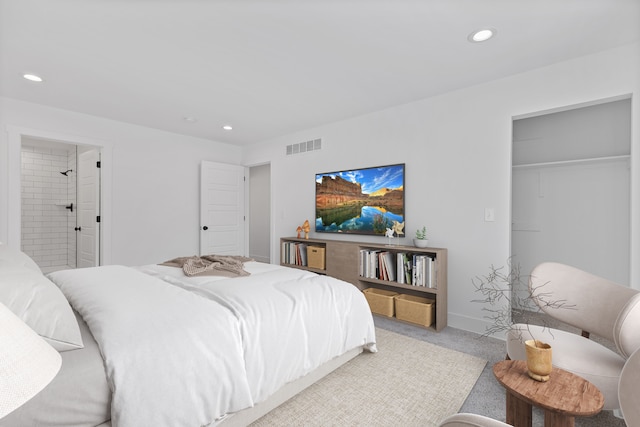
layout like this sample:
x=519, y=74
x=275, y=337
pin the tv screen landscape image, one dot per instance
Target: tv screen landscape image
x=361, y=201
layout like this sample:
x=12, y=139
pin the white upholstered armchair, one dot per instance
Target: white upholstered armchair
x=629, y=390
x=471, y=420
x=599, y=307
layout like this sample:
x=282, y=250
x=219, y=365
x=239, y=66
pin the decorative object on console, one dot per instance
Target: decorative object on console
x=306, y=227
x=360, y=201
x=395, y=230
x=398, y=227
x=421, y=240
x=27, y=362
x=389, y=234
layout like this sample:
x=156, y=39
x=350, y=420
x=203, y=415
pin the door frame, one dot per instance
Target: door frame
x=94, y=208
x=270, y=229
x=11, y=228
x=632, y=185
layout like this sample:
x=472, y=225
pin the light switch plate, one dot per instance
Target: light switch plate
x=489, y=215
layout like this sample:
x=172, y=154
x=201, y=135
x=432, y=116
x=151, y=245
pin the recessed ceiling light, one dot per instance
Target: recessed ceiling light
x=482, y=35
x=227, y=127
x=33, y=78
x=190, y=119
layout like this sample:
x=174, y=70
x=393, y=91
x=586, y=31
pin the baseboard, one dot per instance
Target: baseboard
x=471, y=324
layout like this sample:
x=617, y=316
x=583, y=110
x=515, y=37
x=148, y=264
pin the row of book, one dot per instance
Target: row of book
x=401, y=267
x=295, y=253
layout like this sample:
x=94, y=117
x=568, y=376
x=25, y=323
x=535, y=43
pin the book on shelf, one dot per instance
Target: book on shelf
x=382, y=269
x=370, y=263
x=400, y=267
x=302, y=253
x=424, y=272
x=415, y=269
x=407, y=270
x=386, y=267
x=374, y=266
x=295, y=253
x=389, y=266
x=408, y=265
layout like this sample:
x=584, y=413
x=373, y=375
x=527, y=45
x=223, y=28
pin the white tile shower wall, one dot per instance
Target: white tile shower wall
x=45, y=194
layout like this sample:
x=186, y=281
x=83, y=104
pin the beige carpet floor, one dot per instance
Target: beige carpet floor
x=406, y=383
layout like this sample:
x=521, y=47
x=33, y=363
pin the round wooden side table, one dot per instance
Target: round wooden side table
x=562, y=398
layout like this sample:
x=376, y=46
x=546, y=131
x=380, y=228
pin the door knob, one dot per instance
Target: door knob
x=205, y=228
x=78, y=228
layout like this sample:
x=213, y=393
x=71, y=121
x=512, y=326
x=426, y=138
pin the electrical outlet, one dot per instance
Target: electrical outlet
x=489, y=215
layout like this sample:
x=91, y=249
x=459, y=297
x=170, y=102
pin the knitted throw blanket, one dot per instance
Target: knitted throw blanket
x=211, y=265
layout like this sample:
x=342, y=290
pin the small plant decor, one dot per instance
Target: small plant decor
x=421, y=238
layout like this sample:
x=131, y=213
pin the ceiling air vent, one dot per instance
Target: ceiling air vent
x=303, y=147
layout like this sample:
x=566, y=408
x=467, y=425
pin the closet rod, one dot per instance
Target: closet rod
x=571, y=162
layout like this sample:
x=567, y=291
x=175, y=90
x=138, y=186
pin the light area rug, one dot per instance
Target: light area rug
x=406, y=383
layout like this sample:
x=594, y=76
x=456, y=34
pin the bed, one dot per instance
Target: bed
x=150, y=345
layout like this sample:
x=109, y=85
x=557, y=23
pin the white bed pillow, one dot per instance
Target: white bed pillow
x=41, y=305
x=14, y=258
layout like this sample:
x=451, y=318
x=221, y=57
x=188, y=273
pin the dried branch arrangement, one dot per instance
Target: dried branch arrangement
x=502, y=303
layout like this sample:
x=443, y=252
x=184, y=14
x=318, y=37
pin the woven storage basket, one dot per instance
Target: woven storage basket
x=414, y=309
x=380, y=301
x=315, y=257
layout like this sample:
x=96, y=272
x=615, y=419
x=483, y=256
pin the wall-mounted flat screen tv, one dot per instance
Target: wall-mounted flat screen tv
x=360, y=201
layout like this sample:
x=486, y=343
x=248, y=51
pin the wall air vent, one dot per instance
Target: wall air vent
x=303, y=147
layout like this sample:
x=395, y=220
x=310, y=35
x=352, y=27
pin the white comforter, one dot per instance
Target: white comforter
x=292, y=321
x=185, y=351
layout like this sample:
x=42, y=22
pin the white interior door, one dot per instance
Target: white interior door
x=88, y=228
x=222, y=204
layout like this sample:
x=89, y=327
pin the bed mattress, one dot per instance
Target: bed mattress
x=78, y=396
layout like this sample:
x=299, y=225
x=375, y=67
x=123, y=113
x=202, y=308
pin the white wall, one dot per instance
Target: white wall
x=457, y=150
x=150, y=205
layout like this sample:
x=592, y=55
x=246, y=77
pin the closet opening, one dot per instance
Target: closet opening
x=571, y=189
x=60, y=185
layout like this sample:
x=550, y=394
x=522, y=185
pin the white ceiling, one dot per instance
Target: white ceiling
x=272, y=67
